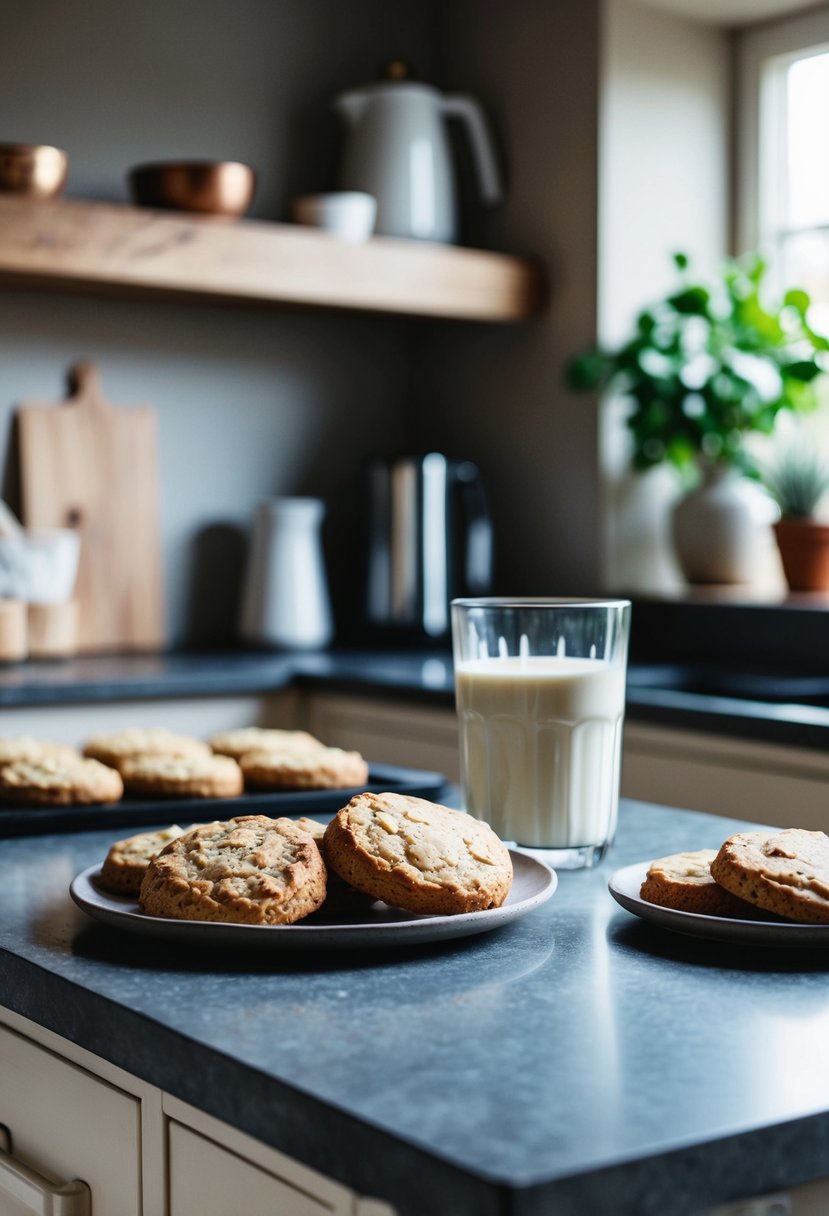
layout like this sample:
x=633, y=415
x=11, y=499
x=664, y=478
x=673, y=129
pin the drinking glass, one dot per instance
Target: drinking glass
x=540, y=691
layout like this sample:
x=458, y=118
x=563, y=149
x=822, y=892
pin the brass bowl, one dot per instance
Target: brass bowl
x=210, y=187
x=33, y=170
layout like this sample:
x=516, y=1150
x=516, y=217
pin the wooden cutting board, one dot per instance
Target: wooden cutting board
x=87, y=464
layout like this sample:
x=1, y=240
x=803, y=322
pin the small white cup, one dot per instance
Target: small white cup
x=40, y=566
x=348, y=215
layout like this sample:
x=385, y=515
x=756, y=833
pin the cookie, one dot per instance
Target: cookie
x=24, y=747
x=417, y=855
x=251, y=870
x=126, y=862
x=52, y=782
x=321, y=768
x=183, y=777
x=237, y=743
x=340, y=898
x=786, y=872
x=138, y=741
x=684, y=881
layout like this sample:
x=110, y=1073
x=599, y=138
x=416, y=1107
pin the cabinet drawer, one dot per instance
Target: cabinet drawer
x=66, y=1124
x=207, y=1180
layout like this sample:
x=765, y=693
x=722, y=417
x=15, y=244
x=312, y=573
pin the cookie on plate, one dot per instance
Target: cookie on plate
x=786, y=872
x=320, y=768
x=205, y=776
x=683, y=881
x=250, y=870
x=114, y=749
x=52, y=782
x=340, y=897
x=24, y=747
x=126, y=862
x=418, y=855
x=237, y=743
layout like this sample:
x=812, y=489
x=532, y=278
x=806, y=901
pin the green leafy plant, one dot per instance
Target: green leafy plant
x=797, y=480
x=708, y=365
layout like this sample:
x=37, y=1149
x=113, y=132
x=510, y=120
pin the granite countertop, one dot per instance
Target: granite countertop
x=729, y=703
x=579, y=1060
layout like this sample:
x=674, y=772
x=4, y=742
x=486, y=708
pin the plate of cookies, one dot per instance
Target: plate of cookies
x=138, y=775
x=763, y=887
x=387, y=870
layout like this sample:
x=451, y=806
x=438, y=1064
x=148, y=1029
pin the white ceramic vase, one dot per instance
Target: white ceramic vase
x=716, y=533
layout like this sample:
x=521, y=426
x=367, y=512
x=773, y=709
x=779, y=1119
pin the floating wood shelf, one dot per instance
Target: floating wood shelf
x=107, y=248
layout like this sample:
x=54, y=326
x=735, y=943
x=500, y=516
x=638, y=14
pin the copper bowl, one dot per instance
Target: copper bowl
x=222, y=187
x=33, y=170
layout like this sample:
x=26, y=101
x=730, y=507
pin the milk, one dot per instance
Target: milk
x=540, y=747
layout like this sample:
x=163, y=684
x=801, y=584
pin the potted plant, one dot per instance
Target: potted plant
x=705, y=368
x=798, y=481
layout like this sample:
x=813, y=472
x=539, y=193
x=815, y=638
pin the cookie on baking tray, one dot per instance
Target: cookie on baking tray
x=237, y=743
x=51, y=782
x=340, y=896
x=320, y=768
x=786, y=873
x=684, y=881
x=24, y=747
x=114, y=749
x=206, y=776
x=418, y=855
x=127, y=860
x=251, y=870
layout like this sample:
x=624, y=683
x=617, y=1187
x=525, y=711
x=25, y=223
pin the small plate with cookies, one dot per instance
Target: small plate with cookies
x=388, y=870
x=761, y=887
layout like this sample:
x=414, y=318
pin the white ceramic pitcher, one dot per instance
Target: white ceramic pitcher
x=397, y=149
x=285, y=601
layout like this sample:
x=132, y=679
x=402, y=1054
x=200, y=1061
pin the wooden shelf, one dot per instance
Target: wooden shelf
x=107, y=248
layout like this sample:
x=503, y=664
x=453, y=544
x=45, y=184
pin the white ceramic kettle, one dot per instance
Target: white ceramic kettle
x=397, y=149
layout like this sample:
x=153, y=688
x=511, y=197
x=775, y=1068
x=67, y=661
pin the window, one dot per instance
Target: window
x=783, y=153
x=793, y=199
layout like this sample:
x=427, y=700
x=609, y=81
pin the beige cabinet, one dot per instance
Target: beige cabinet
x=131, y=1149
x=65, y=1124
x=737, y=778
x=207, y=1180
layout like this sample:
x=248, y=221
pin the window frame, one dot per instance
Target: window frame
x=762, y=54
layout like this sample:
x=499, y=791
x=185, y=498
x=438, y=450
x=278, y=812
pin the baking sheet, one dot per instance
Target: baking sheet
x=134, y=812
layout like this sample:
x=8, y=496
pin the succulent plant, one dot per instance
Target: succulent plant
x=797, y=481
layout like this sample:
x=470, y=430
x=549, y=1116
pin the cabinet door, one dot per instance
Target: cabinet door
x=207, y=1180
x=66, y=1125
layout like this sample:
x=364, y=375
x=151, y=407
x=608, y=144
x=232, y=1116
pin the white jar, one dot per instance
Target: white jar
x=285, y=601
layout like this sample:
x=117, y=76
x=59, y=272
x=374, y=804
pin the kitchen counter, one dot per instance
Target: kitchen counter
x=576, y=1061
x=657, y=692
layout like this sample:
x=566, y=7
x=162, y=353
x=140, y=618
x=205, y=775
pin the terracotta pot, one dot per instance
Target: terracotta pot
x=804, y=552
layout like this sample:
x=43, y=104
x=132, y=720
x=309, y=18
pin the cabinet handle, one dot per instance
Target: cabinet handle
x=43, y=1198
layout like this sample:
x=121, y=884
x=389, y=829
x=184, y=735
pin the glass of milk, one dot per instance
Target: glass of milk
x=540, y=691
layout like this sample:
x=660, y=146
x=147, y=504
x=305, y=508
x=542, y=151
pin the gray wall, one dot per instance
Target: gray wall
x=498, y=397
x=250, y=404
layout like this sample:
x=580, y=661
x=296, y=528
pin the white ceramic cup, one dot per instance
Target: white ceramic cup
x=540, y=687
x=347, y=214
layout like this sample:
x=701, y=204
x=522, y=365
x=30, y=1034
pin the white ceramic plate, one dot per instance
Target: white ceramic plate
x=624, y=886
x=381, y=926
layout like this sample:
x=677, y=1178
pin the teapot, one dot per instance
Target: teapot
x=397, y=149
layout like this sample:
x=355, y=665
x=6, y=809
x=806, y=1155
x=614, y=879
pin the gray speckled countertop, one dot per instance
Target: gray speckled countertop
x=578, y=1061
